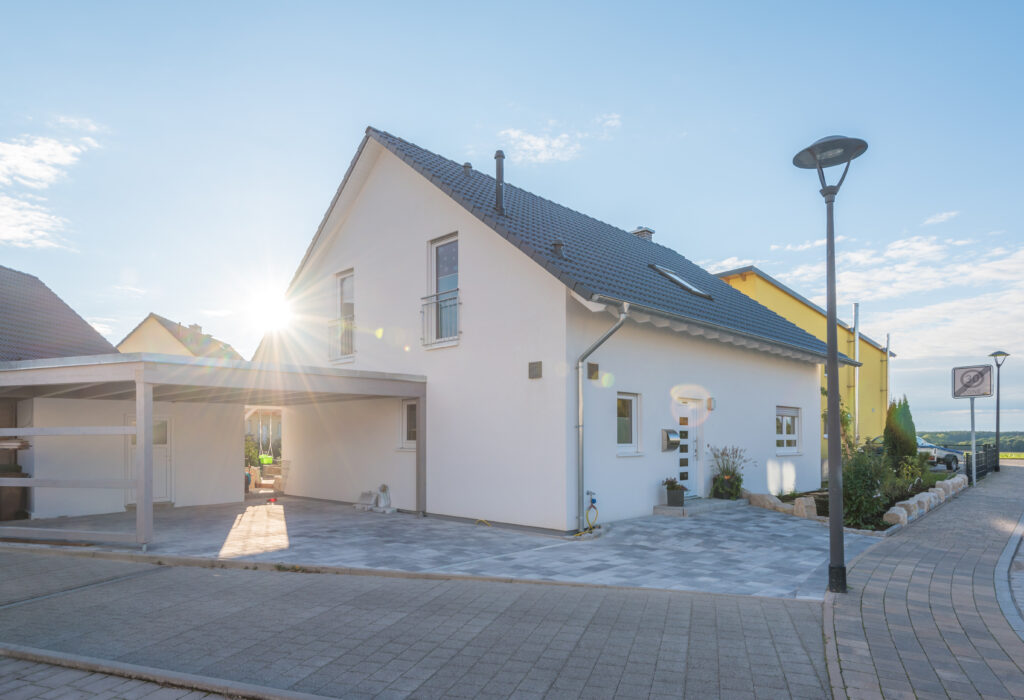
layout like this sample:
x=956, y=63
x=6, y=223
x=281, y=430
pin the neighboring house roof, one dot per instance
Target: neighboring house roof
x=192, y=337
x=35, y=323
x=748, y=269
x=598, y=261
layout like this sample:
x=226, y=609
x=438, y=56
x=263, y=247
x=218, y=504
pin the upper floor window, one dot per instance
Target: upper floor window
x=787, y=430
x=441, y=309
x=341, y=335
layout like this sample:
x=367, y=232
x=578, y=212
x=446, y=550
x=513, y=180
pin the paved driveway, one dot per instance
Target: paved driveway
x=749, y=551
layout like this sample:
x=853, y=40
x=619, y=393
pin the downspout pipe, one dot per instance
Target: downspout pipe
x=580, y=507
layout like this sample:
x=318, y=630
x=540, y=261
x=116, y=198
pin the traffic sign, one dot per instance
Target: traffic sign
x=969, y=382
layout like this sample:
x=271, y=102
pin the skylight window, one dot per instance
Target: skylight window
x=676, y=279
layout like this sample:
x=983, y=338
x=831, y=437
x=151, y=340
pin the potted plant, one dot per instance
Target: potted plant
x=675, y=491
x=727, y=471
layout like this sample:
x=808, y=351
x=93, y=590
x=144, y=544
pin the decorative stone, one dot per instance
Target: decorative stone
x=939, y=494
x=763, y=500
x=946, y=487
x=910, y=507
x=367, y=500
x=804, y=507
x=384, y=500
x=895, y=516
x=786, y=508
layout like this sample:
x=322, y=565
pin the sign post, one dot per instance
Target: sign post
x=970, y=383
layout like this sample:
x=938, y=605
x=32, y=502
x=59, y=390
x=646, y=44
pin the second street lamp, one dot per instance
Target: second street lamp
x=825, y=153
x=1000, y=357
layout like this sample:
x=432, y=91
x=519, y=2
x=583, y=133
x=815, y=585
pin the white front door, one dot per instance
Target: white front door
x=689, y=469
x=161, y=461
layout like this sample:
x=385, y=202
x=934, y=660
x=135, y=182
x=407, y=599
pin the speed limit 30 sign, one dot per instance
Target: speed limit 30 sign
x=969, y=382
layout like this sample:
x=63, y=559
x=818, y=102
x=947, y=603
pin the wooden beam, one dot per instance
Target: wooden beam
x=69, y=430
x=52, y=533
x=32, y=482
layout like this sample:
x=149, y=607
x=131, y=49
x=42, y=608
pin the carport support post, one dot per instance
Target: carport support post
x=143, y=461
x=421, y=454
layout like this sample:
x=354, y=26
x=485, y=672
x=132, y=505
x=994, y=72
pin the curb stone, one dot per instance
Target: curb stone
x=152, y=675
x=1001, y=577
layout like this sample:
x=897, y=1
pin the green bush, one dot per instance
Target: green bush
x=863, y=499
x=727, y=471
x=900, y=435
x=252, y=453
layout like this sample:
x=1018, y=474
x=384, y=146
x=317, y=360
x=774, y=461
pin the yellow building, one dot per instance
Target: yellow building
x=158, y=334
x=865, y=389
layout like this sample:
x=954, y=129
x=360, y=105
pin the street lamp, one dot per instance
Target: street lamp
x=1000, y=357
x=825, y=153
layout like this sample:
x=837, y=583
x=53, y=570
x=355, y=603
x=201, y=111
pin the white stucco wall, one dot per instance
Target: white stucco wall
x=496, y=446
x=206, y=443
x=659, y=365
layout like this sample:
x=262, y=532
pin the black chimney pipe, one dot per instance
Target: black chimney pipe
x=499, y=182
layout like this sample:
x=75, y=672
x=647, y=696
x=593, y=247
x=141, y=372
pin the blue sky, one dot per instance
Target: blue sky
x=177, y=158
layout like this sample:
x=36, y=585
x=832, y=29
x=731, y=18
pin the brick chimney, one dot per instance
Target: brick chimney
x=643, y=232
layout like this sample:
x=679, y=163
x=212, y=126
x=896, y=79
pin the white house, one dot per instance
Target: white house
x=428, y=267
x=483, y=351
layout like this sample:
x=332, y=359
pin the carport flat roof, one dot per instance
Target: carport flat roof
x=197, y=379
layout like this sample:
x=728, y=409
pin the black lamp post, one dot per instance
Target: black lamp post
x=1000, y=357
x=825, y=153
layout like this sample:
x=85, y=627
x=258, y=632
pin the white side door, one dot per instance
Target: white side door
x=161, y=461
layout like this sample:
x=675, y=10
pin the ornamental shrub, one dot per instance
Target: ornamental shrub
x=727, y=471
x=900, y=435
x=863, y=499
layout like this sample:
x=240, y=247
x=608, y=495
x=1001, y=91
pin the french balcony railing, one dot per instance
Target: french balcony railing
x=340, y=338
x=440, y=313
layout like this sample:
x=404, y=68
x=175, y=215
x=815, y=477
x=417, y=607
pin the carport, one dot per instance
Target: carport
x=147, y=377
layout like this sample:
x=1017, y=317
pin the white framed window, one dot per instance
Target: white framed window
x=627, y=420
x=787, y=430
x=341, y=330
x=408, y=436
x=441, y=306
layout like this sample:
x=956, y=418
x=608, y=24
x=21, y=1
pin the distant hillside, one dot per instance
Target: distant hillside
x=1008, y=441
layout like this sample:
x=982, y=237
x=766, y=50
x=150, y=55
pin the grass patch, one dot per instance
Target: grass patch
x=1011, y=455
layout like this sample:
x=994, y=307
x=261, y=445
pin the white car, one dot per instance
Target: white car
x=951, y=458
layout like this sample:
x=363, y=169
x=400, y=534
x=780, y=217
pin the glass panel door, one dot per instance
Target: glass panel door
x=446, y=285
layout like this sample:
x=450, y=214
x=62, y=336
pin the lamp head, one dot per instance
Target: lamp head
x=1000, y=357
x=829, y=151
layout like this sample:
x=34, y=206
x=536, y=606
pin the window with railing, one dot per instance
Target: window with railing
x=441, y=309
x=340, y=331
x=441, y=317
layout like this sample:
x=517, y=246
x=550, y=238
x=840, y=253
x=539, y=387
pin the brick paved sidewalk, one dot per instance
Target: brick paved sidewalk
x=921, y=618
x=26, y=680
x=369, y=636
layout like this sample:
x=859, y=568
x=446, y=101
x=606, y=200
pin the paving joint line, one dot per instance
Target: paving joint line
x=75, y=589
x=152, y=675
x=1001, y=579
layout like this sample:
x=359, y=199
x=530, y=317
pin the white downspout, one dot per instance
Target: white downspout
x=579, y=410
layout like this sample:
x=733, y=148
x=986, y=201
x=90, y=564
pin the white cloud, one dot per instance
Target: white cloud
x=102, y=325
x=557, y=144
x=77, y=123
x=939, y=218
x=38, y=161
x=727, y=264
x=536, y=148
x=129, y=290
x=806, y=245
x=24, y=224
x=217, y=313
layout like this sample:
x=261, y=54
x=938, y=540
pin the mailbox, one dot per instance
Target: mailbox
x=669, y=439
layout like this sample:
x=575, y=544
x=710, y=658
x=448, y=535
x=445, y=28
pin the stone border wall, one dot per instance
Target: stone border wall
x=900, y=514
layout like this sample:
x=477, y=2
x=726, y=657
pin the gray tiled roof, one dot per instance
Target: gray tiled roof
x=198, y=343
x=600, y=259
x=35, y=323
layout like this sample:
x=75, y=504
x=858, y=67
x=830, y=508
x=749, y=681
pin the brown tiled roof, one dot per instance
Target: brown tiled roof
x=36, y=323
x=198, y=343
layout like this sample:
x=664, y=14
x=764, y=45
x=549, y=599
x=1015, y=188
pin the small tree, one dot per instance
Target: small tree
x=847, y=441
x=900, y=435
x=252, y=453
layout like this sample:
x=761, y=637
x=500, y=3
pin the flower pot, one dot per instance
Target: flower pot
x=675, y=497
